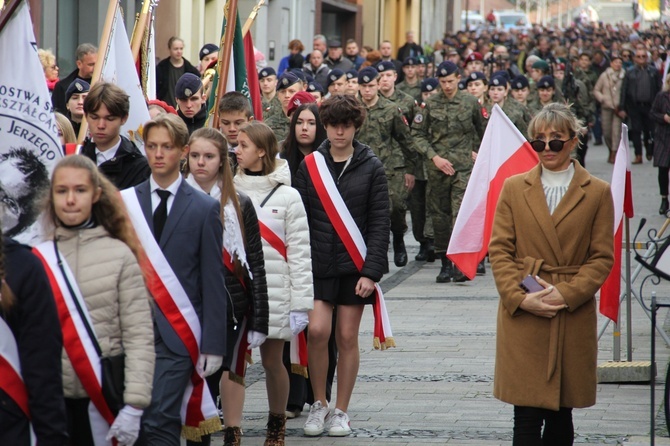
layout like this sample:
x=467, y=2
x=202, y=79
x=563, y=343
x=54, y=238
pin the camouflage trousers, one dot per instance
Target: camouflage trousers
x=397, y=201
x=444, y=201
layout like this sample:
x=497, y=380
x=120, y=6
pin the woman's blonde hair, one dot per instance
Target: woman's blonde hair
x=557, y=116
x=264, y=138
x=65, y=126
x=109, y=211
x=47, y=58
x=225, y=175
x=174, y=125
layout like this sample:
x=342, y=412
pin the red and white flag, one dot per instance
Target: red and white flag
x=503, y=152
x=622, y=195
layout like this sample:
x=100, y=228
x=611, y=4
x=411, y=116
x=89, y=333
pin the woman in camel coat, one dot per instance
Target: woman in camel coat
x=607, y=92
x=555, y=222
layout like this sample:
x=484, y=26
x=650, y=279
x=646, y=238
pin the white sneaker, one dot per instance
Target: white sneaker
x=316, y=419
x=339, y=425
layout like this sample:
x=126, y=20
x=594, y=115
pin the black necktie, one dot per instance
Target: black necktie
x=160, y=214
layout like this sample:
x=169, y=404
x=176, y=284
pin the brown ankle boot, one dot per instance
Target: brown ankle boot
x=638, y=159
x=276, y=430
x=232, y=436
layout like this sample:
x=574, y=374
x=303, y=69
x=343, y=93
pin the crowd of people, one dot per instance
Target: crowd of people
x=272, y=231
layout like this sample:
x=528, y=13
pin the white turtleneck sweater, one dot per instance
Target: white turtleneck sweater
x=555, y=185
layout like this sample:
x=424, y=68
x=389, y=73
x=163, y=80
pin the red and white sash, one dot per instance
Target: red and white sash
x=271, y=230
x=241, y=355
x=11, y=381
x=76, y=341
x=198, y=412
x=351, y=237
x=298, y=353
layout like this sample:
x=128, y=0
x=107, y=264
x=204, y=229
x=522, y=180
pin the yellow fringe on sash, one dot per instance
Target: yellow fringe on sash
x=390, y=342
x=299, y=370
x=208, y=426
x=234, y=377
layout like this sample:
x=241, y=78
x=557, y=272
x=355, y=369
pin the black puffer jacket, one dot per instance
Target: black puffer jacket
x=197, y=121
x=252, y=299
x=364, y=189
x=127, y=169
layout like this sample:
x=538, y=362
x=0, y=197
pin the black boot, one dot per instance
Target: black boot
x=430, y=251
x=422, y=256
x=458, y=276
x=399, y=251
x=481, y=268
x=664, y=206
x=446, y=270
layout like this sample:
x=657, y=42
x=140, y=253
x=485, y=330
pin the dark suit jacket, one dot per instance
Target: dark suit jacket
x=193, y=246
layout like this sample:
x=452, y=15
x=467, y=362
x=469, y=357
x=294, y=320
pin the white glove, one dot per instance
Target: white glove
x=255, y=339
x=126, y=426
x=208, y=364
x=299, y=320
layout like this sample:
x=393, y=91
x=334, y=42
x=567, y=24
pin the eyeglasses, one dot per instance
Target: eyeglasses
x=640, y=56
x=555, y=145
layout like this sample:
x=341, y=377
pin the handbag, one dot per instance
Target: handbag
x=112, y=368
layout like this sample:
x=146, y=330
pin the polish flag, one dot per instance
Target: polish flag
x=504, y=152
x=622, y=195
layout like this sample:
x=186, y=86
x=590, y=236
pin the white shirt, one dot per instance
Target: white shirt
x=555, y=185
x=102, y=157
x=156, y=199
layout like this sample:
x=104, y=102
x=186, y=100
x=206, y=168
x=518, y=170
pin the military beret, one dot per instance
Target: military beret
x=315, y=86
x=498, y=81
x=367, y=75
x=519, y=82
x=446, y=68
x=77, y=86
x=385, y=65
x=301, y=97
x=187, y=85
x=266, y=72
x=286, y=80
x=560, y=67
x=546, y=82
x=298, y=72
x=503, y=73
x=474, y=56
x=540, y=65
x=461, y=84
x=333, y=76
x=475, y=76
x=208, y=49
x=429, y=84
x=352, y=74
x=334, y=43
x=410, y=61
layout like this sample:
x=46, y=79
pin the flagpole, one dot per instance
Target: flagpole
x=103, y=49
x=7, y=11
x=251, y=18
x=138, y=31
x=629, y=316
x=226, y=48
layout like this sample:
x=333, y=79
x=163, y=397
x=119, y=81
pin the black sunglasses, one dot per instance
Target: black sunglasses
x=555, y=145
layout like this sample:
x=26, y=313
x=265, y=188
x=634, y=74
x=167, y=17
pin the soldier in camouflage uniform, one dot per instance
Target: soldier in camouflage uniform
x=498, y=90
x=412, y=82
x=288, y=85
x=267, y=78
x=387, y=132
x=447, y=131
x=520, y=91
x=546, y=94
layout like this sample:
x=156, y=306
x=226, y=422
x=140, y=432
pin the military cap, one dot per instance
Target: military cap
x=266, y=72
x=410, y=61
x=385, y=65
x=286, y=80
x=333, y=76
x=519, y=82
x=541, y=65
x=560, y=67
x=475, y=76
x=208, y=49
x=315, y=86
x=301, y=97
x=334, y=43
x=502, y=73
x=298, y=72
x=187, y=85
x=474, y=56
x=546, y=82
x=498, y=81
x=452, y=52
x=367, y=75
x=461, y=84
x=352, y=74
x=429, y=84
x=77, y=86
x=446, y=68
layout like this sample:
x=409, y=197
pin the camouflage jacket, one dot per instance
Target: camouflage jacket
x=412, y=90
x=408, y=105
x=386, y=131
x=450, y=128
x=271, y=108
x=280, y=124
x=517, y=113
